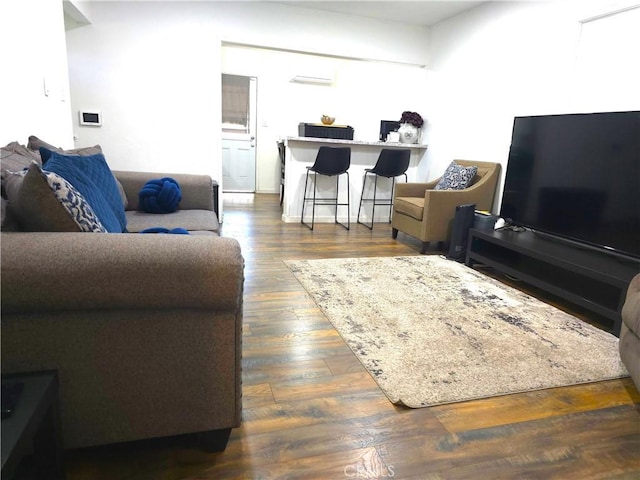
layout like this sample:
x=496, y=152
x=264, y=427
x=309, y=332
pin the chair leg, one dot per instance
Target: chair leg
x=304, y=201
x=348, y=225
x=313, y=205
x=314, y=201
x=394, y=233
x=373, y=204
x=348, y=204
x=215, y=440
x=425, y=246
x=337, y=190
x=364, y=181
x=393, y=187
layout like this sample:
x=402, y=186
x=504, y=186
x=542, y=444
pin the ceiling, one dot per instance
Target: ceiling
x=416, y=12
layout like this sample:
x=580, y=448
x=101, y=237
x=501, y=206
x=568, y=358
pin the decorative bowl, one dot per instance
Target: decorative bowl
x=327, y=120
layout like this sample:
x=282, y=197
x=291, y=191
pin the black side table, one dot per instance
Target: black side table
x=34, y=426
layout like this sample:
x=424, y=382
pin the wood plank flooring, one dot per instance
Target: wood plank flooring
x=311, y=411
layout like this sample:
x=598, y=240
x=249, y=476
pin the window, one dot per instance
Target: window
x=235, y=103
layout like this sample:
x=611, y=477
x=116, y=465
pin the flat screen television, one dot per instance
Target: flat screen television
x=577, y=177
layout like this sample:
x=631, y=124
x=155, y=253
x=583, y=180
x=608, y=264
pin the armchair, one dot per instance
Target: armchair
x=427, y=214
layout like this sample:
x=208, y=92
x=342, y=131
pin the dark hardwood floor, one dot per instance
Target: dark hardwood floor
x=311, y=411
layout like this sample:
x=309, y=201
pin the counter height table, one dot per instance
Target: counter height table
x=300, y=153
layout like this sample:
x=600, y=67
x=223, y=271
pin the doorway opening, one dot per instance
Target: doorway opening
x=239, y=107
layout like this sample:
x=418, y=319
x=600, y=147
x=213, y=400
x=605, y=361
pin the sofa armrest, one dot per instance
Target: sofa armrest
x=87, y=271
x=197, y=190
x=631, y=307
x=413, y=189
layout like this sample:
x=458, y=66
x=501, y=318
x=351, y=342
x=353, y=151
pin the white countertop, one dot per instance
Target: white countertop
x=416, y=146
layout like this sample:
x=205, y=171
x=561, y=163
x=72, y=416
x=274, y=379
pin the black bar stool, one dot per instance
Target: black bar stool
x=391, y=164
x=330, y=161
x=282, y=154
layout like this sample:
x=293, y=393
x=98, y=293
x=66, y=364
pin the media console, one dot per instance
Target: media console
x=589, y=278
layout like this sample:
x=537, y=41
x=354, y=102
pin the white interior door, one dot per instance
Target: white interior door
x=239, y=137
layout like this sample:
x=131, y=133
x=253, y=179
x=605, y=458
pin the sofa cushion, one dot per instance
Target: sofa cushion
x=631, y=307
x=456, y=177
x=191, y=220
x=15, y=157
x=630, y=330
x=45, y=152
x=91, y=176
x=411, y=206
x=8, y=222
x=35, y=144
x=45, y=202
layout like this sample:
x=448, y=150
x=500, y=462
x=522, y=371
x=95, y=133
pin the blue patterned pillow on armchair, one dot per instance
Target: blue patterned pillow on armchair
x=456, y=177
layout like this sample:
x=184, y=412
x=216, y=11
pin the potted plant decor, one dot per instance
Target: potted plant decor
x=410, y=125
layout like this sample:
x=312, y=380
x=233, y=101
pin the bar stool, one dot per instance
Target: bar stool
x=282, y=155
x=391, y=164
x=330, y=161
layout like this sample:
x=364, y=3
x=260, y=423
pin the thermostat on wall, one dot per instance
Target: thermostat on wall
x=91, y=118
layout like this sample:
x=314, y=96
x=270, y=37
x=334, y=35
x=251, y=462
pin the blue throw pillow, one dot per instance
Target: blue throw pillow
x=45, y=154
x=92, y=177
x=162, y=195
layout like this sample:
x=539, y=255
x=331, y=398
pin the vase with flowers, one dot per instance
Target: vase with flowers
x=410, y=125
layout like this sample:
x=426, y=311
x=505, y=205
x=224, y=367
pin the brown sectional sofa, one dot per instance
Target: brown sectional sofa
x=143, y=329
x=630, y=331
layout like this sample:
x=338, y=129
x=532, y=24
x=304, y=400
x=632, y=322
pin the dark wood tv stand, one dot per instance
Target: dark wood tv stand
x=587, y=277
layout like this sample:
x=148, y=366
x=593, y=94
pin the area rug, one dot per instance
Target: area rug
x=433, y=331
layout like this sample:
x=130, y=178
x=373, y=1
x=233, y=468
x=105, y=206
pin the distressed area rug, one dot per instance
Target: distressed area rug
x=433, y=331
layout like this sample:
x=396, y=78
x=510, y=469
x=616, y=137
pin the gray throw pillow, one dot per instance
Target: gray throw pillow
x=456, y=177
x=15, y=157
x=35, y=143
x=46, y=202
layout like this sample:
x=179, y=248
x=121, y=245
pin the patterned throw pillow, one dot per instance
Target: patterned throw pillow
x=45, y=202
x=456, y=177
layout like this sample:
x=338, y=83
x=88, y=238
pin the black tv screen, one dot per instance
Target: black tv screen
x=577, y=176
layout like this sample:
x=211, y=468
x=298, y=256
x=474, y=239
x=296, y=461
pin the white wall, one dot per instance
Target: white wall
x=153, y=69
x=156, y=80
x=32, y=40
x=505, y=59
x=362, y=94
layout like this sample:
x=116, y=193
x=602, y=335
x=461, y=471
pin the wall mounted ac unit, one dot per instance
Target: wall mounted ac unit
x=317, y=79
